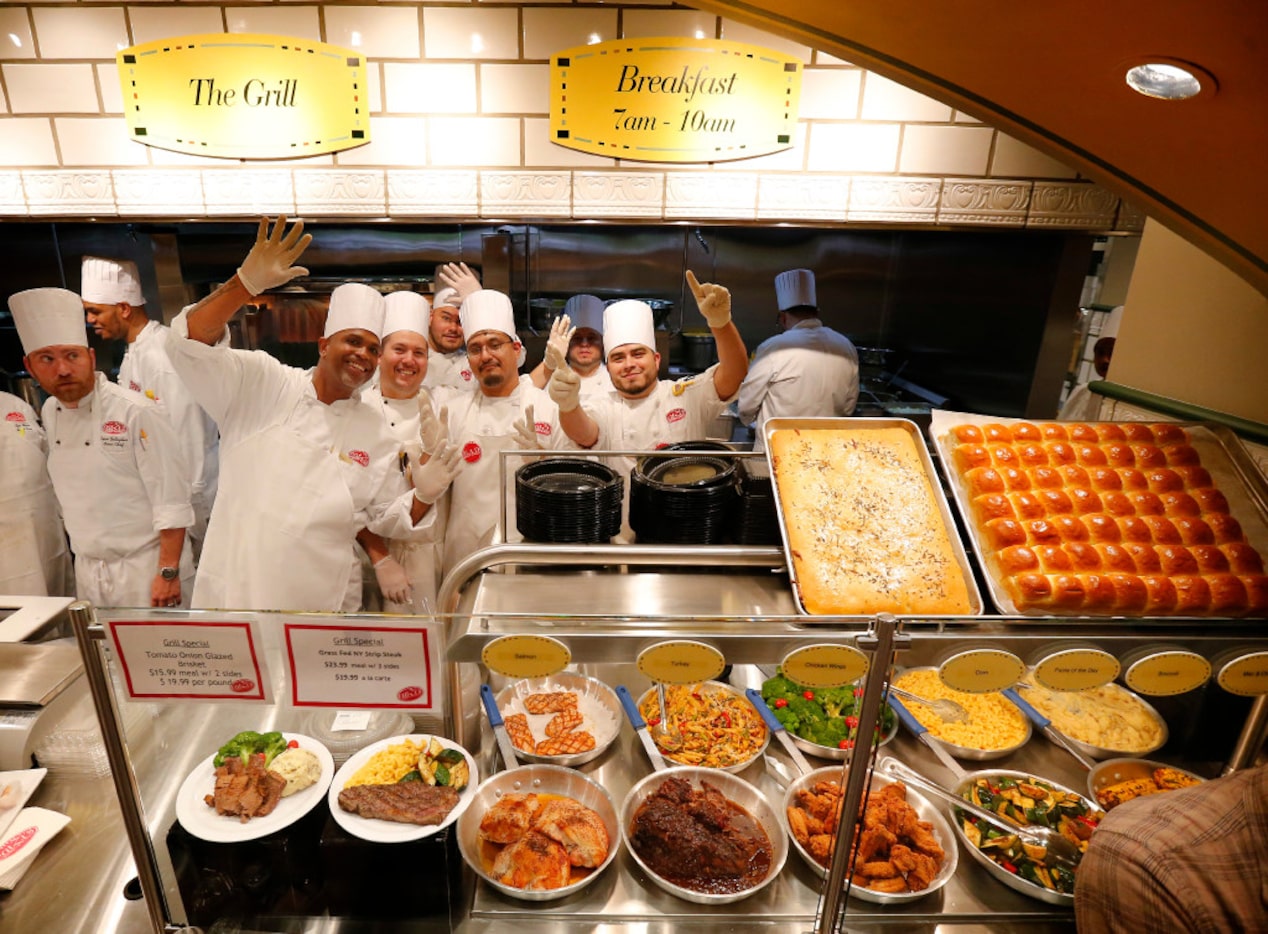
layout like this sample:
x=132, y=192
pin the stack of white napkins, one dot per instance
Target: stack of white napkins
x=23, y=830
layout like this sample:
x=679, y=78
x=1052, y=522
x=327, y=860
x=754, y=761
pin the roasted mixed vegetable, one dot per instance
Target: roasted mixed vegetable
x=826, y=716
x=1028, y=801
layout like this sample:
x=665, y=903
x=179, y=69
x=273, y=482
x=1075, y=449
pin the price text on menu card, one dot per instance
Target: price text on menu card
x=191, y=661
x=363, y=666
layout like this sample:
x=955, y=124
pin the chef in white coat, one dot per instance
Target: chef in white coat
x=579, y=330
x=115, y=306
x=34, y=559
x=807, y=370
x=304, y=465
x=114, y=460
x=446, y=360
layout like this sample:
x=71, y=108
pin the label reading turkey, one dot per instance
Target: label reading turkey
x=1077, y=670
x=681, y=662
x=981, y=671
x=526, y=656
x=1164, y=674
x=825, y=666
x=1247, y=675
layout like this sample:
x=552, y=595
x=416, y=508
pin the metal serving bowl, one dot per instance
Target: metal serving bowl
x=592, y=695
x=1104, y=752
x=926, y=811
x=969, y=752
x=537, y=779
x=736, y=790
x=714, y=685
x=1113, y=771
x=831, y=752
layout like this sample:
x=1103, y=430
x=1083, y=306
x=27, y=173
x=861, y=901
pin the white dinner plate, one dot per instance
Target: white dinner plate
x=201, y=820
x=386, y=831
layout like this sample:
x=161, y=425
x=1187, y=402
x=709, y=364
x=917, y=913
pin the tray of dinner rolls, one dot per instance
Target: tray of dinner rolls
x=1131, y=519
x=866, y=525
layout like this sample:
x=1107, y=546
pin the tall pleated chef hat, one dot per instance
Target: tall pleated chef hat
x=354, y=305
x=795, y=287
x=48, y=318
x=446, y=296
x=405, y=311
x=489, y=310
x=110, y=281
x=586, y=311
x=628, y=321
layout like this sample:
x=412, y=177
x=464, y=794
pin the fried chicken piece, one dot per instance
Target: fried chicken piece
x=509, y=818
x=533, y=862
x=873, y=842
x=798, y=825
x=892, y=886
x=919, y=833
x=564, y=721
x=578, y=828
x=820, y=847
x=877, y=869
x=917, y=868
x=553, y=702
x=521, y=735
x=566, y=744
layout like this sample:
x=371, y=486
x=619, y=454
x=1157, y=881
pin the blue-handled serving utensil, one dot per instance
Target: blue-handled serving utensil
x=922, y=733
x=505, y=746
x=640, y=726
x=1046, y=726
x=777, y=730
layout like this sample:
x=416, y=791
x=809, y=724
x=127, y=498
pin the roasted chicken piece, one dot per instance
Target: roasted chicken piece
x=509, y=818
x=564, y=721
x=553, y=702
x=532, y=862
x=566, y=744
x=578, y=828
x=521, y=734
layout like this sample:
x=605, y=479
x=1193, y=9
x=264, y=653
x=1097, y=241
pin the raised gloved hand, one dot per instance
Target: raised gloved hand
x=393, y=581
x=432, y=478
x=565, y=388
x=714, y=301
x=561, y=332
x=271, y=261
x=433, y=427
x=458, y=277
x=525, y=432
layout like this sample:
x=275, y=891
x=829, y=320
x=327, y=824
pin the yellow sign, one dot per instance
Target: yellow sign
x=245, y=96
x=1077, y=670
x=681, y=662
x=981, y=671
x=825, y=666
x=1246, y=675
x=526, y=656
x=673, y=99
x=1163, y=674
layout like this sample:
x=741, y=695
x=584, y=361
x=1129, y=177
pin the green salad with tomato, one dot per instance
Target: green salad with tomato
x=824, y=716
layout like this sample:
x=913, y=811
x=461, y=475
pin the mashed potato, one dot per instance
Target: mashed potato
x=299, y=767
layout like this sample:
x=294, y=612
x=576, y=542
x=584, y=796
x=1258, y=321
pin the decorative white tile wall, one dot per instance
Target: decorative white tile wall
x=379, y=32
x=514, y=89
x=538, y=194
x=458, y=142
x=690, y=24
x=27, y=141
x=894, y=200
x=12, y=197
x=69, y=192
x=448, y=88
x=887, y=100
x=995, y=203
x=830, y=93
x=16, y=40
x=341, y=192
x=1073, y=205
x=947, y=150
x=249, y=191
x=452, y=32
x=853, y=147
x=433, y=194
x=70, y=32
x=165, y=22
x=618, y=194
x=393, y=141
x=303, y=22
x=174, y=192
x=539, y=151
x=109, y=89
x=711, y=195
x=553, y=30
x=803, y=197
x=1014, y=158
x=49, y=88
x=91, y=141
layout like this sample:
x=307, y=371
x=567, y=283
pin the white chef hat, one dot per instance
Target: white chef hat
x=1110, y=328
x=110, y=281
x=586, y=311
x=405, y=311
x=795, y=287
x=354, y=305
x=489, y=310
x=446, y=296
x=48, y=318
x=628, y=321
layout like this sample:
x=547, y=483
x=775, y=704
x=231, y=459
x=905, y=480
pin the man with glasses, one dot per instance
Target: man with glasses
x=577, y=336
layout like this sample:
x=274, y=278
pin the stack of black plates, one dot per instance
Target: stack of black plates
x=685, y=500
x=563, y=499
x=757, y=520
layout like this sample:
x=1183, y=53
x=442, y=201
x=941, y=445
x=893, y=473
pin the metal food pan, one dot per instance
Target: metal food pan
x=1112, y=771
x=1231, y=467
x=976, y=604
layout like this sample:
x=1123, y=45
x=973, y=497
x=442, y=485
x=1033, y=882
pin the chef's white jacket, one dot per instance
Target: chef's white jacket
x=450, y=370
x=596, y=385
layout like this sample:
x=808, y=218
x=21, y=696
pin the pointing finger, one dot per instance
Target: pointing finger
x=692, y=281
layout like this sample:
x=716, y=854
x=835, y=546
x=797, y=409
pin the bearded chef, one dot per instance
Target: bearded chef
x=114, y=461
x=579, y=332
x=407, y=571
x=446, y=360
x=806, y=370
x=115, y=306
x=304, y=464
x=34, y=559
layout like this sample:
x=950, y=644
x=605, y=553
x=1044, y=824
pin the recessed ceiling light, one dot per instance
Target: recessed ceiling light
x=1169, y=81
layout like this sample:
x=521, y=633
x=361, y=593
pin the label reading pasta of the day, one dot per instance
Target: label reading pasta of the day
x=1076, y=670
x=526, y=656
x=825, y=666
x=1246, y=675
x=681, y=662
x=981, y=671
x=1163, y=674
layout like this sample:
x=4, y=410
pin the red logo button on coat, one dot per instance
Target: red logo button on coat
x=360, y=457
x=115, y=428
x=466, y=375
x=471, y=452
x=136, y=387
x=15, y=417
x=542, y=428
x=675, y=415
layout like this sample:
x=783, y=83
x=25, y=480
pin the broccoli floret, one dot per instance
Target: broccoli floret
x=806, y=710
x=779, y=686
x=828, y=732
x=271, y=744
x=837, y=701
x=790, y=720
x=241, y=746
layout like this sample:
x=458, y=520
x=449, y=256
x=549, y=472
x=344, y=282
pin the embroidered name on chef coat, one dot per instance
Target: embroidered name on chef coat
x=114, y=435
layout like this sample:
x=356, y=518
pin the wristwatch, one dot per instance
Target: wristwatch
x=169, y=574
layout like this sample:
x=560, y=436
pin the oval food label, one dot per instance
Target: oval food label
x=1163, y=674
x=1246, y=675
x=681, y=662
x=981, y=671
x=526, y=656
x=825, y=666
x=1077, y=670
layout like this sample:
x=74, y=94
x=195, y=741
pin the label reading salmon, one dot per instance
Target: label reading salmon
x=526, y=656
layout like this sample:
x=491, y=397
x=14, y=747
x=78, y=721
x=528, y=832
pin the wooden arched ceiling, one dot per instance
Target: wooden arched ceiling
x=1053, y=76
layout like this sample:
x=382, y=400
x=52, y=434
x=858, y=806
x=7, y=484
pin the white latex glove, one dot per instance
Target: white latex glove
x=433, y=427
x=526, y=433
x=271, y=261
x=458, y=277
x=393, y=581
x=565, y=388
x=561, y=333
x=433, y=478
x=714, y=301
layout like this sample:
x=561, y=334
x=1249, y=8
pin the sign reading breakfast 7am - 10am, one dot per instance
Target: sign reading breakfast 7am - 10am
x=674, y=99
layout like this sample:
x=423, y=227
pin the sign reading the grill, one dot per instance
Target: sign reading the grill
x=672, y=99
x=244, y=96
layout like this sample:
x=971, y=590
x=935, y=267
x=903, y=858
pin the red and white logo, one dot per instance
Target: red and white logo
x=136, y=387
x=542, y=428
x=466, y=375
x=15, y=843
x=115, y=428
x=675, y=415
x=662, y=445
x=411, y=693
x=242, y=686
x=471, y=452
x=360, y=457
x=15, y=417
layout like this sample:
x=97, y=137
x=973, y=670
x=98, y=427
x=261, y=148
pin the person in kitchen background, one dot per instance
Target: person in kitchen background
x=1082, y=404
x=115, y=307
x=806, y=370
x=446, y=360
x=580, y=329
x=406, y=572
x=304, y=464
x=114, y=460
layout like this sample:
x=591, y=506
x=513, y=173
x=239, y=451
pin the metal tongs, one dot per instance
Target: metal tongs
x=948, y=710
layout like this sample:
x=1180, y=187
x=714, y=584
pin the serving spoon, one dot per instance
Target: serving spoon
x=947, y=709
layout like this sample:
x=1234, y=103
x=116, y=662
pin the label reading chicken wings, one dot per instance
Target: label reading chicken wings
x=825, y=666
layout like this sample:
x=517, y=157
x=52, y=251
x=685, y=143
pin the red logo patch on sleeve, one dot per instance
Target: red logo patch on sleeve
x=675, y=415
x=471, y=452
x=15, y=417
x=360, y=457
x=542, y=428
x=114, y=428
x=466, y=375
